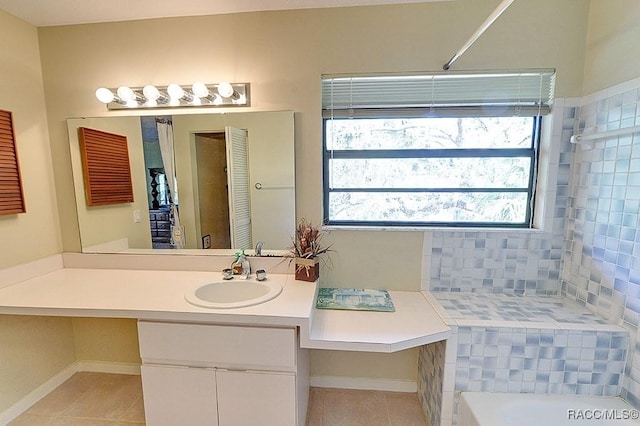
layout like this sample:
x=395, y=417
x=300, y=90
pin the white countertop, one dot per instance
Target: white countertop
x=159, y=295
x=414, y=323
x=146, y=294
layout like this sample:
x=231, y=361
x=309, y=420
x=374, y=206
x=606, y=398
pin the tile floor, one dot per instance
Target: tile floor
x=85, y=399
x=99, y=399
x=348, y=407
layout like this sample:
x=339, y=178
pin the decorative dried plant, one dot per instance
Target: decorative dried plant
x=307, y=242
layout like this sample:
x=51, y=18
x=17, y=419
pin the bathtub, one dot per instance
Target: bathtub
x=517, y=409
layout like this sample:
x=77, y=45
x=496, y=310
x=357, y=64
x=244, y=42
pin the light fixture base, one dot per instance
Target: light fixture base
x=241, y=98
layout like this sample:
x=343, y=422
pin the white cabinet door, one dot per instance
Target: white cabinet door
x=179, y=396
x=248, y=398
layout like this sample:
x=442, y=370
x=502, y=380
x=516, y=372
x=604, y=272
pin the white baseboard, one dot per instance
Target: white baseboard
x=108, y=367
x=44, y=389
x=36, y=395
x=363, y=383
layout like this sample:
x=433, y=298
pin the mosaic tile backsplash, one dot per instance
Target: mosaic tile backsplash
x=489, y=262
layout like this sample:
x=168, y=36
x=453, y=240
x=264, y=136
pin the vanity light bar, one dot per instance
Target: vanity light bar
x=198, y=94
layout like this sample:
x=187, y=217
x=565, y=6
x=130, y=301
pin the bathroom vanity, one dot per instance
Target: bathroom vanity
x=242, y=366
x=197, y=374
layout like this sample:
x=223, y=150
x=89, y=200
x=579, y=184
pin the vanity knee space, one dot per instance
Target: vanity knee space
x=195, y=374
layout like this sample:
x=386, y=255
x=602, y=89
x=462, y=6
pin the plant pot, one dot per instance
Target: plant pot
x=307, y=269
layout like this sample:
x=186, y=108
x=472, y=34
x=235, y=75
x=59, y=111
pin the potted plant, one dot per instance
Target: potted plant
x=306, y=249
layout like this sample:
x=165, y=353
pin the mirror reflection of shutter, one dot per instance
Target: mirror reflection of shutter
x=238, y=180
x=105, y=163
x=11, y=195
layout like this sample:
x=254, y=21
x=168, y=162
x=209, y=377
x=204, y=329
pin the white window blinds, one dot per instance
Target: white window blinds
x=450, y=94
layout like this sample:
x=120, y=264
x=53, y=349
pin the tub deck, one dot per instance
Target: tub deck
x=500, y=409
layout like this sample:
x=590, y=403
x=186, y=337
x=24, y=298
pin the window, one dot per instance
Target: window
x=423, y=151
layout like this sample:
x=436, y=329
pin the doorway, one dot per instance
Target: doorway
x=213, y=190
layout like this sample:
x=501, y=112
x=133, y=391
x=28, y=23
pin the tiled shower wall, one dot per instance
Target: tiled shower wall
x=513, y=262
x=602, y=257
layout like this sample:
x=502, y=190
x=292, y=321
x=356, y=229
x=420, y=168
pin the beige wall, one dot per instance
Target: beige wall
x=34, y=234
x=612, y=44
x=32, y=349
x=394, y=366
x=106, y=340
x=282, y=54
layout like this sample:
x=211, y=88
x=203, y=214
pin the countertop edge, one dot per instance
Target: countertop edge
x=53, y=293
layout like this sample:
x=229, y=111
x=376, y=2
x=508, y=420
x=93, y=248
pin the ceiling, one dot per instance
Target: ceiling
x=64, y=12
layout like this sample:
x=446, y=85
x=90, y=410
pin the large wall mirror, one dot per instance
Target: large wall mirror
x=222, y=182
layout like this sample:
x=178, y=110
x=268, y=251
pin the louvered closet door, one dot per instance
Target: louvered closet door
x=11, y=197
x=238, y=181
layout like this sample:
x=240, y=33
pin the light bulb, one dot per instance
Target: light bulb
x=200, y=89
x=126, y=93
x=225, y=89
x=105, y=95
x=151, y=92
x=175, y=91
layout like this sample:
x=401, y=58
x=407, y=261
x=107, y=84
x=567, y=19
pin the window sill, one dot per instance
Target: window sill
x=429, y=228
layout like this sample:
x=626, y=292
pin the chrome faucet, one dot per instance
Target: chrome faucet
x=259, y=248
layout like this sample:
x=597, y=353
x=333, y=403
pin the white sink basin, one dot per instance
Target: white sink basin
x=234, y=293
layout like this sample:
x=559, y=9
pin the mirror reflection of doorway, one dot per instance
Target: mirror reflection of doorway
x=213, y=190
x=219, y=179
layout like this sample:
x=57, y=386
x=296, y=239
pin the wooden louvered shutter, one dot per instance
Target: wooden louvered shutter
x=11, y=196
x=105, y=163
